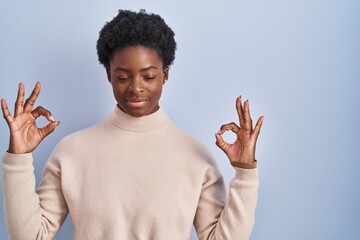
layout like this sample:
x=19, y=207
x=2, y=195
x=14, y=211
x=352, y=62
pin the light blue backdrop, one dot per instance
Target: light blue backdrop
x=298, y=62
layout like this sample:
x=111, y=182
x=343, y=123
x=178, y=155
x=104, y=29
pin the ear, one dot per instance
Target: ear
x=166, y=74
x=108, y=74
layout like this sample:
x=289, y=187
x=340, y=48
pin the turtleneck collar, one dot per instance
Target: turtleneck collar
x=138, y=124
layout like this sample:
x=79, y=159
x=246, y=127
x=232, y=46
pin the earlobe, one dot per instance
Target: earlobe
x=166, y=74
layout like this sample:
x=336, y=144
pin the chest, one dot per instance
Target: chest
x=142, y=190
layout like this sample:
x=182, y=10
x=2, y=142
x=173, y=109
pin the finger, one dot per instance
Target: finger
x=247, y=117
x=6, y=112
x=257, y=128
x=29, y=103
x=240, y=111
x=40, y=111
x=45, y=131
x=230, y=126
x=19, y=104
x=221, y=143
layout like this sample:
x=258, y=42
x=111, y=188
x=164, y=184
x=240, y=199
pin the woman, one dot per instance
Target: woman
x=135, y=175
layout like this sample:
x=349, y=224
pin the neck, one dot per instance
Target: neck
x=146, y=123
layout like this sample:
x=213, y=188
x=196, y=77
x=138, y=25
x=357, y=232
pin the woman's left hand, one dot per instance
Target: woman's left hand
x=243, y=149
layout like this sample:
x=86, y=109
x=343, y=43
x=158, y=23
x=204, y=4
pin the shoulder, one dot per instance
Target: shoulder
x=186, y=144
x=77, y=141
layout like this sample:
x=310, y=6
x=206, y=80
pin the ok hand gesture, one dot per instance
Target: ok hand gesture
x=243, y=149
x=25, y=135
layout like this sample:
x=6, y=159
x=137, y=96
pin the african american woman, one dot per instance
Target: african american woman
x=135, y=175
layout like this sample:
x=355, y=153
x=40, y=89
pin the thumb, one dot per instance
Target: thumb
x=45, y=131
x=220, y=142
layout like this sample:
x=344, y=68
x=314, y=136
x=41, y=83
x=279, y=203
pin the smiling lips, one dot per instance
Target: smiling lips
x=136, y=102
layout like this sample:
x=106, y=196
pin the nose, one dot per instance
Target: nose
x=135, y=87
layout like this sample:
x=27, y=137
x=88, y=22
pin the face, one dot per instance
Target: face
x=137, y=76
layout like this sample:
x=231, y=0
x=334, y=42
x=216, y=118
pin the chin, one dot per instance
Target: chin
x=138, y=112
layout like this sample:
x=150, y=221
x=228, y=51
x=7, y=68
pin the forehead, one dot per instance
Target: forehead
x=136, y=56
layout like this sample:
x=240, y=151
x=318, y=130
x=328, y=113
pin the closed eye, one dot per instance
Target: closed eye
x=122, y=78
x=150, y=77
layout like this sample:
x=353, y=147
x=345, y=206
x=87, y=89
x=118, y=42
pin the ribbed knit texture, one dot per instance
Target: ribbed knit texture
x=128, y=178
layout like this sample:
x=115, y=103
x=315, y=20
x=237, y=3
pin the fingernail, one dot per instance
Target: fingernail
x=52, y=119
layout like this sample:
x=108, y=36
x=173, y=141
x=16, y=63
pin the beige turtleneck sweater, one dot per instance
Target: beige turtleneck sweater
x=128, y=178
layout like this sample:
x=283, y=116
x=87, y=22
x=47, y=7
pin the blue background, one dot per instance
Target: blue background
x=297, y=61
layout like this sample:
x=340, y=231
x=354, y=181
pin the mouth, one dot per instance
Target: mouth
x=136, y=102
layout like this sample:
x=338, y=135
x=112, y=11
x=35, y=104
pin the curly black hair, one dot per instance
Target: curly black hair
x=130, y=28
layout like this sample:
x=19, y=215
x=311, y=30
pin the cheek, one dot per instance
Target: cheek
x=118, y=91
x=157, y=91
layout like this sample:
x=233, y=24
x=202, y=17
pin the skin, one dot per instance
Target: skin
x=25, y=136
x=243, y=148
x=136, y=75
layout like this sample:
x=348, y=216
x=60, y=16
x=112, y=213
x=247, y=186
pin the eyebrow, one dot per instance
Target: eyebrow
x=142, y=70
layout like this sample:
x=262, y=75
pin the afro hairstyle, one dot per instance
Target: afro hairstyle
x=130, y=28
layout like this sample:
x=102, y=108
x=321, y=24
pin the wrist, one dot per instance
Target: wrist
x=14, y=150
x=245, y=165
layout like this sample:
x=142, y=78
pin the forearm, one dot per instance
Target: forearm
x=234, y=218
x=237, y=218
x=23, y=215
x=21, y=203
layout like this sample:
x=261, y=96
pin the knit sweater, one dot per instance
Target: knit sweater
x=128, y=178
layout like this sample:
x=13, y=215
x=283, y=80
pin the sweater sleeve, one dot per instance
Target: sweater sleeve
x=30, y=214
x=235, y=219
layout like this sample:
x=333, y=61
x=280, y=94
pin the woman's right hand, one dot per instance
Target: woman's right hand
x=25, y=135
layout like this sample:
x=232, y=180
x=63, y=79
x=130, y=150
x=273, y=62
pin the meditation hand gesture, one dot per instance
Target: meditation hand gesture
x=243, y=149
x=25, y=135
